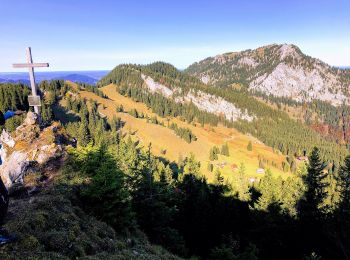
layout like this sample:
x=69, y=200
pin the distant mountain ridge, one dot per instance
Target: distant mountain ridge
x=88, y=77
x=279, y=70
x=20, y=81
x=79, y=78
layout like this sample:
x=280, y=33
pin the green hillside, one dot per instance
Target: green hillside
x=273, y=127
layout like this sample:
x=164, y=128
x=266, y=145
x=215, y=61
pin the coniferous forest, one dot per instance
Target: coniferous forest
x=273, y=127
x=173, y=203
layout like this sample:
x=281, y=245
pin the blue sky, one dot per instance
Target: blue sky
x=89, y=35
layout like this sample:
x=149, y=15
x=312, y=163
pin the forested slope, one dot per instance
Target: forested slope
x=123, y=184
x=275, y=128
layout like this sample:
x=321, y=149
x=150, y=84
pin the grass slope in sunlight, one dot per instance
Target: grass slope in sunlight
x=163, y=138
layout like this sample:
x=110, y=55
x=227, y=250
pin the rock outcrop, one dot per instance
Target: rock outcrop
x=202, y=100
x=28, y=149
x=278, y=70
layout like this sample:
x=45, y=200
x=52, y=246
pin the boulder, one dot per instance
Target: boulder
x=31, y=119
x=28, y=149
x=29, y=130
x=6, y=138
x=49, y=152
x=13, y=167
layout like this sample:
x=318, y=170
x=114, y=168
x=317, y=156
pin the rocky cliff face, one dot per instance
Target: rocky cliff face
x=28, y=150
x=280, y=70
x=202, y=100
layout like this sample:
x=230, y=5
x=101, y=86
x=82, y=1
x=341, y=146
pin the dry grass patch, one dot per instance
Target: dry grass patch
x=163, y=138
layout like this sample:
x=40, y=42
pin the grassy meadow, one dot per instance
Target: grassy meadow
x=166, y=144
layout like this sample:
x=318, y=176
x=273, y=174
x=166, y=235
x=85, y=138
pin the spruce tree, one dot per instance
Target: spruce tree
x=270, y=189
x=225, y=150
x=344, y=185
x=243, y=185
x=210, y=167
x=342, y=216
x=192, y=166
x=219, y=179
x=107, y=195
x=250, y=146
x=213, y=154
x=83, y=133
x=312, y=204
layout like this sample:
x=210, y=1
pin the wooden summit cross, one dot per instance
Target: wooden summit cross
x=34, y=99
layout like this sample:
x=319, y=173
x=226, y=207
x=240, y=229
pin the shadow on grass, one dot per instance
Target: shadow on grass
x=64, y=116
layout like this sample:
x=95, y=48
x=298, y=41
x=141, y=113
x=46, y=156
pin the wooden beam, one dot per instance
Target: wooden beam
x=34, y=100
x=30, y=65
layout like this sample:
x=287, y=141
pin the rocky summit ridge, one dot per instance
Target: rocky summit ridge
x=281, y=70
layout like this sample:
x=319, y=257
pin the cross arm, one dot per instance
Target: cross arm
x=30, y=65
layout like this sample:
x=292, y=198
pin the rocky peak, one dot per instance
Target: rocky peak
x=28, y=149
x=248, y=57
x=289, y=50
x=279, y=70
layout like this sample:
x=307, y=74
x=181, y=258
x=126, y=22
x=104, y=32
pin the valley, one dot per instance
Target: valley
x=208, y=136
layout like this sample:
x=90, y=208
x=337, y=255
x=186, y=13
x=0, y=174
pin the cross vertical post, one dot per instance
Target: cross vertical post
x=34, y=100
x=32, y=78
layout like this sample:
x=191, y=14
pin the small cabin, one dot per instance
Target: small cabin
x=251, y=180
x=260, y=170
x=303, y=158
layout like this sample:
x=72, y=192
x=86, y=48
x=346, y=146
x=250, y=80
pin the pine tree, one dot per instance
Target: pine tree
x=120, y=108
x=219, y=179
x=134, y=113
x=69, y=103
x=83, y=132
x=270, y=189
x=192, y=166
x=342, y=217
x=285, y=166
x=312, y=205
x=210, y=167
x=344, y=185
x=212, y=155
x=243, y=185
x=106, y=195
x=225, y=150
x=250, y=146
x=292, y=191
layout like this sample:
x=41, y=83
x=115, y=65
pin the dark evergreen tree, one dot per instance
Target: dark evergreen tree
x=213, y=154
x=225, y=150
x=106, y=195
x=84, y=133
x=250, y=146
x=315, y=195
x=344, y=186
x=311, y=209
